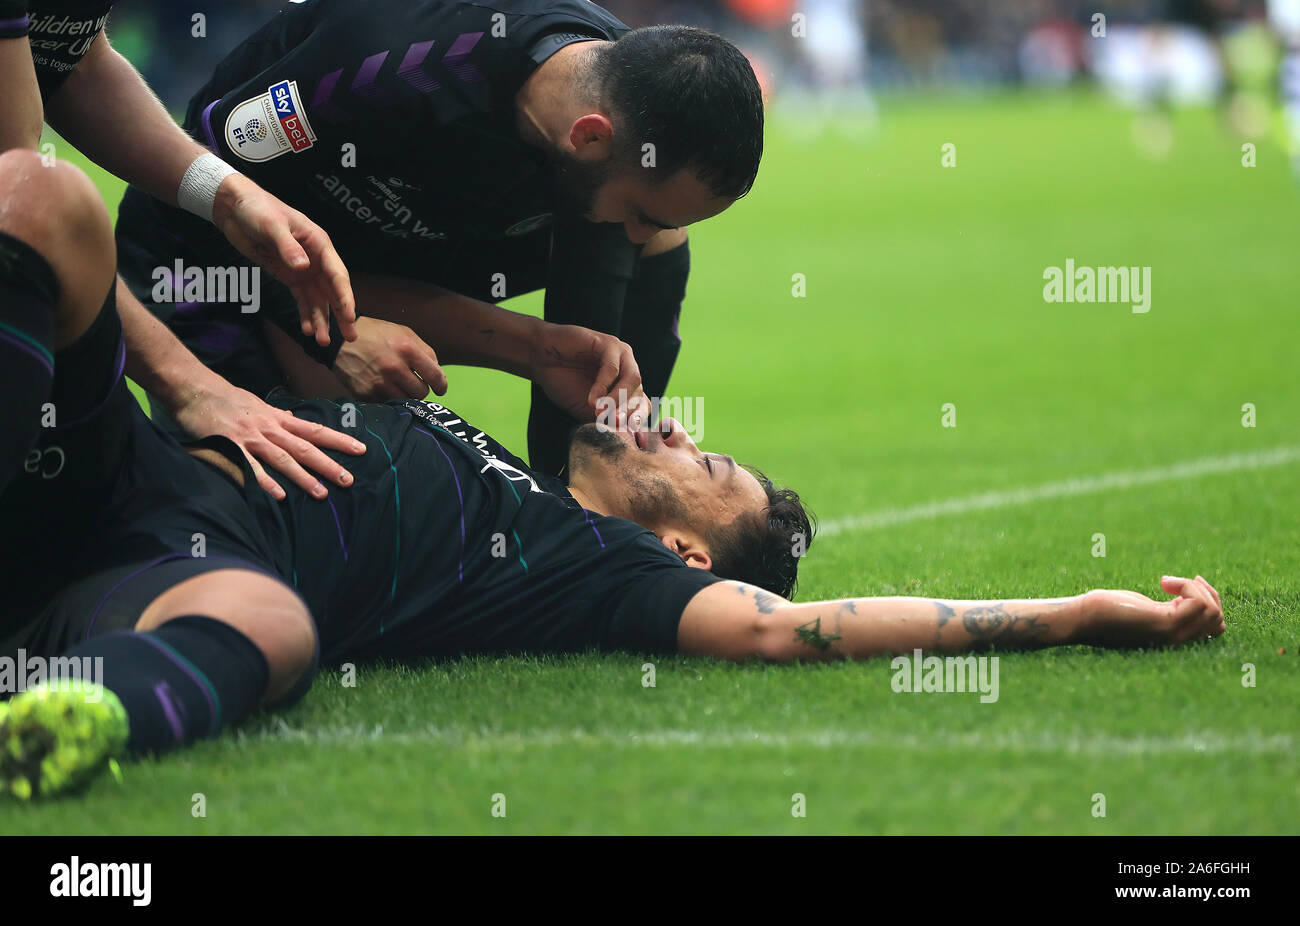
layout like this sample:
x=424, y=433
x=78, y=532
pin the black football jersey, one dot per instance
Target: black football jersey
x=392, y=122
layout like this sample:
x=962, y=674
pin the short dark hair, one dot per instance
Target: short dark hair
x=693, y=95
x=759, y=547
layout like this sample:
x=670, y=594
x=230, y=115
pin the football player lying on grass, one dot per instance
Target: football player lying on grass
x=196, y=597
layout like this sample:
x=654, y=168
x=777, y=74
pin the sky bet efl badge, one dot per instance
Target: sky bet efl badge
x=267, y=126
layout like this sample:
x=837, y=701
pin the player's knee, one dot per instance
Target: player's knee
x=55, y=209
x=21, y=189
x=16, y=166
x=85, y=232
x=51, y=204
x=278, y=623
x=262, y=608
x=283, y=630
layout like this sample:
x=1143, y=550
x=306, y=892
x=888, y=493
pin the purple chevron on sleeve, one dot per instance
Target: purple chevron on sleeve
x=456, y=59
x=411, y=70
x=322, y=105
x=364, y=86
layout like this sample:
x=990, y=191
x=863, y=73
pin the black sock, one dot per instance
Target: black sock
x=181, y=682
x=29, y=290
x=650, y=314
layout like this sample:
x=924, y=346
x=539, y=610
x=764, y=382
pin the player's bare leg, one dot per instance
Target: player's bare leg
x=205, y=653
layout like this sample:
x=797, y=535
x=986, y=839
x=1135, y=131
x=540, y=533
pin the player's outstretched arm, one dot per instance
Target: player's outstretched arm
x=107, y=110
x=733, y=620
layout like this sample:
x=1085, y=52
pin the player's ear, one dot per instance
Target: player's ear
x=689, y=548
x=591, y=136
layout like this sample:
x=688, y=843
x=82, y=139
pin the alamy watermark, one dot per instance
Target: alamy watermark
x=75, y=878
x=209, y=285
x=1099, y=284
x=23, y=672
x=688, y=411
x=946, y=675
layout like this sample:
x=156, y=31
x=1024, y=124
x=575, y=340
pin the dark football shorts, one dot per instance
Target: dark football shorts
x=107, y=512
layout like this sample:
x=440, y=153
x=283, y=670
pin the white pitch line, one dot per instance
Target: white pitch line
x=1194, y=743
x=1081, y=485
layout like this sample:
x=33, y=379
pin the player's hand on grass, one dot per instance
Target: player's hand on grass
x=1129, y=619
x=269, y=437
x=293, y=249
x=585, y=372
x=389, y=361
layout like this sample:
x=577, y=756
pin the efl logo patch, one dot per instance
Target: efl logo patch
x=268, y=125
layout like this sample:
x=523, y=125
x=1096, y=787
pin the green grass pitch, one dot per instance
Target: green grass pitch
x=923, y=287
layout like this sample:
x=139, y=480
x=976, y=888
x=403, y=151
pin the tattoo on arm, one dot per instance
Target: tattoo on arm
x=943, y=614
x=811, y=633
x=851, y=607
x=990, y=624
x=765, y=601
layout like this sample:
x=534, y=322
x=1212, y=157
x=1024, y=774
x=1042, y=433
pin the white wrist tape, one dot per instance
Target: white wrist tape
x=198, y=188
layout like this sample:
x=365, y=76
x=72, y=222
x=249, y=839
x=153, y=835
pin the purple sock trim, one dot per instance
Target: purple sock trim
x=161, y=692
x=214, y=717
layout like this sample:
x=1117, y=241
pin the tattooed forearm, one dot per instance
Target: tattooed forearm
x=990, y=624
x=811, y=633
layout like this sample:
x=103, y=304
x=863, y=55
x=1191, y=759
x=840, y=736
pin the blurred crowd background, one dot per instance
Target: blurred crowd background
x=1243, y=54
